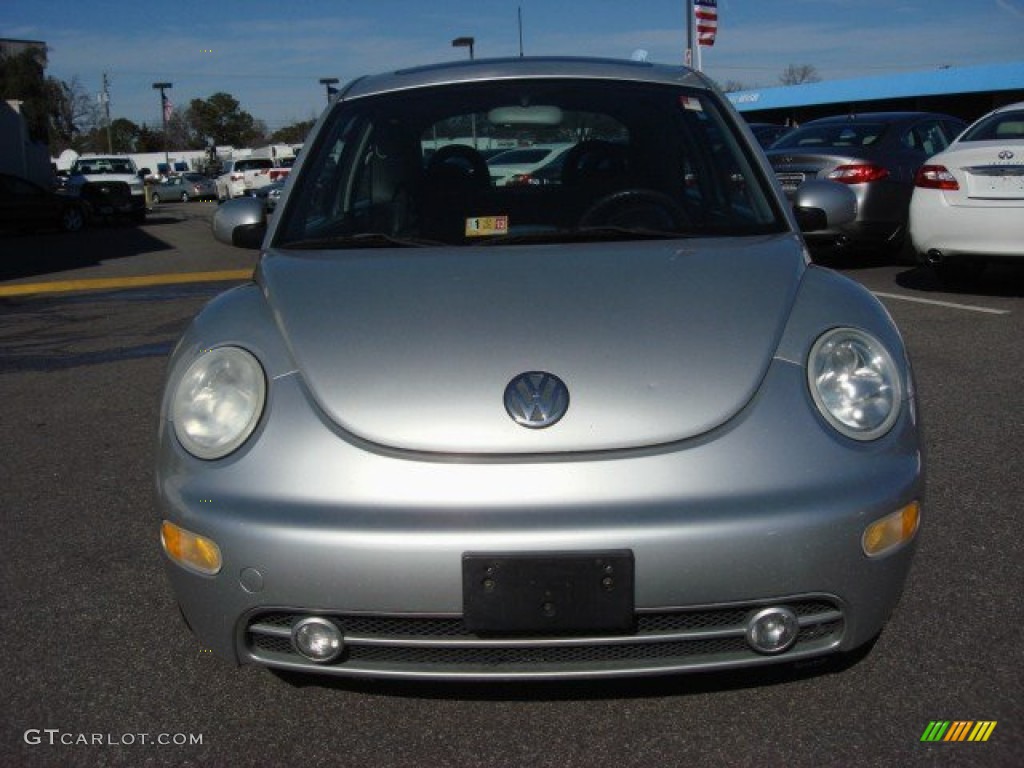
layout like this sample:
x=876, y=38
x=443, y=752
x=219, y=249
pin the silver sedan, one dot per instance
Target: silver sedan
x=618, y=425
x=185, y=188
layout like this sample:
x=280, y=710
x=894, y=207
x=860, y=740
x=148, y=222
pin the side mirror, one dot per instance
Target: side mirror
x=241, y=222
x=820, y=204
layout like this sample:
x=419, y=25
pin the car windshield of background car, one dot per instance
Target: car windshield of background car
x=645, y=159
x=840, y=135
x=999, y=127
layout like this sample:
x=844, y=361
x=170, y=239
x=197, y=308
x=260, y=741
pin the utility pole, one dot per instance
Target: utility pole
x=106, y=110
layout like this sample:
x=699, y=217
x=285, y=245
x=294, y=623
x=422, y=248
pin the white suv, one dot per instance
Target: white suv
x=239, y=175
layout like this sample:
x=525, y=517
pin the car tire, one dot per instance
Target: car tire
x=72, y=219
x=154, y=198
x=184, y=197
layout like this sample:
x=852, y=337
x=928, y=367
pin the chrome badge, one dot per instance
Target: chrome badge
x=536, y=399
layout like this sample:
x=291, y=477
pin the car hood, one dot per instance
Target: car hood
x=413, y=348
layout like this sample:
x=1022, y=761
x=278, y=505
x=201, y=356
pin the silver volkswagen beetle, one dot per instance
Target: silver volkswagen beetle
x=614, y=424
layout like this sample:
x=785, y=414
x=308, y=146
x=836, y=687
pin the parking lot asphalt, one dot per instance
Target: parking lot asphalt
x=98, y=669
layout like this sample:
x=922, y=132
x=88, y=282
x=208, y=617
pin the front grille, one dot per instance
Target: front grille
x=698, y=638
x=111, y=192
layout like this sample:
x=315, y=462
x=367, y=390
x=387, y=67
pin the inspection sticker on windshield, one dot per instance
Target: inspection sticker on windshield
x=483, y=226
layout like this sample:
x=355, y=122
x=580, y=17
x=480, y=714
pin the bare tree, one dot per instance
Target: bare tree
x=731, y=86
x=72, y=115
x=795, y=74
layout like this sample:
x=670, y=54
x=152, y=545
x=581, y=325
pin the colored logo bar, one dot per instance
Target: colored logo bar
x=958, y=730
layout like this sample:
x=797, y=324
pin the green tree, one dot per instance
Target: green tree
x=22, y=79
x=292, y=134
x=222, y=119
x=149, y=140
x=56, y=112
x=124, y=135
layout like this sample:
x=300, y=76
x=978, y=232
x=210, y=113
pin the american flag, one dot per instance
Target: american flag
x=168, y=108
x=706, y=12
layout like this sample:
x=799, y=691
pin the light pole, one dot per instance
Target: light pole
x=327, y=82
x=464, y=42
x=163, y=114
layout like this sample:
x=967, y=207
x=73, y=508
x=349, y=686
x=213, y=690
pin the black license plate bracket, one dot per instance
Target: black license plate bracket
x=548, y=592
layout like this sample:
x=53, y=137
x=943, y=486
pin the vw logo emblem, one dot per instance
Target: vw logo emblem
x=1006, y=155
x=536, y=399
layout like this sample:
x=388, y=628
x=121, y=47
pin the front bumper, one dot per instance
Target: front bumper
x=768, y=510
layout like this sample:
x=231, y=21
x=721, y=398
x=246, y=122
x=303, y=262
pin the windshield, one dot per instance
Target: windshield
x=99, y=165
x=832, y=135
x=636, y=161
x=999, y=127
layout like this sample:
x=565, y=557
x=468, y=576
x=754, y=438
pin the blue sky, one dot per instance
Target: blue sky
x=270, y=55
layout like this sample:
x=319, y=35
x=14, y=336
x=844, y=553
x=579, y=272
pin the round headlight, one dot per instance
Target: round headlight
x=218, y=402
x=855, y=383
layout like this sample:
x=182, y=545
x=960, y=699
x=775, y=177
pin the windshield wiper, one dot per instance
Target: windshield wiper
x=586, y=234
x=362, y=240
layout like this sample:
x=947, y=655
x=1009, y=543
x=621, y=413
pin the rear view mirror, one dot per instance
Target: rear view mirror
x=241, y=222
x=538, y=115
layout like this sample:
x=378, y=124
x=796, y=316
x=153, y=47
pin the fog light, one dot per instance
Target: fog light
x=772, y=630
x=190, y=550
x=892, y=530
x=317, y=639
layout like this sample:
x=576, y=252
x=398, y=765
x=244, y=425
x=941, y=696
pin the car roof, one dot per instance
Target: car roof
x=878, y=117
x=1008, y=108
x=479, y=70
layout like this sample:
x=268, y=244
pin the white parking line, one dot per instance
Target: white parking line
x=949, y=304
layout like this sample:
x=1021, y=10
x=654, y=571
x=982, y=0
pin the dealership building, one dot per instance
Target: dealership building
x=965, y=92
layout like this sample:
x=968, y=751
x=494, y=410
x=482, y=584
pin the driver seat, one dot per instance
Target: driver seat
x=454, y=185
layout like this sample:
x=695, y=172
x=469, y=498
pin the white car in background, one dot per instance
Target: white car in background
x=237, y=177
x=968, y=203
x=522, y=161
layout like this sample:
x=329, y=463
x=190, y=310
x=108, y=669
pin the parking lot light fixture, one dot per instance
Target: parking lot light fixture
x=328, y=82
x=464, y=42
x=163, y=115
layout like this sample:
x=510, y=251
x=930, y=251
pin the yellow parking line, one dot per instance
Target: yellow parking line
x=140, y=281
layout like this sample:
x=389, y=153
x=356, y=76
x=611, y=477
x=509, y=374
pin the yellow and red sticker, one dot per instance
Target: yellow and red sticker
x=486, y=226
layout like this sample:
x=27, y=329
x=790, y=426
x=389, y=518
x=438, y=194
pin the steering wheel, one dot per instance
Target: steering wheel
x=462, y=157
x=637, y=208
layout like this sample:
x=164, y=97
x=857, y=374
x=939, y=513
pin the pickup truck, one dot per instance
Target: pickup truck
x=108, y=185
x=248, y=173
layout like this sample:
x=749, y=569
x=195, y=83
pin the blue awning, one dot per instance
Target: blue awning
x=990, y=78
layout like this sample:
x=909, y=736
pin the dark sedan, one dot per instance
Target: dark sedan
x=25, y=205
x=877, y=155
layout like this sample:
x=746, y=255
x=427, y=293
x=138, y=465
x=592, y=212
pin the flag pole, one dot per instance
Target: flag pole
x=688, y=58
